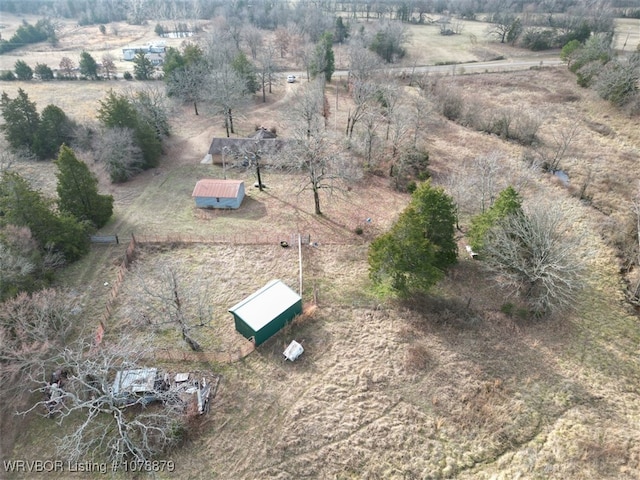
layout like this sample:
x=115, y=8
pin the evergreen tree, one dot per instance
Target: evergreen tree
x=78, y=190
x=21, y=120
x=507, y=203
x=118, y=111
x=43, y=72
x=55, y=129
x=414, y=254
x=323, y=58
x=70, y=237
x=192, y=53
x=342, y=30
x=23, y=71
x=25, y=207
x=247, y=71
x=88, y=66
x=143, y=69
x=173, y=60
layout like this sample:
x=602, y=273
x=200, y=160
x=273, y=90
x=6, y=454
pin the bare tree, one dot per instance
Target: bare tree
x=119, y=154
x=251, y=156
x=166, y=303
x=363, y=93
x=307, y=107
x=188, y=83
x=363, y=63
x=533, y=255
x=371, y=121
x=150, y=103
x=253, y=38
x=161, y=302
x=227, y=91
x=420, y=111
x=108, y=65
x=282, y=40
x=221, y=41
x=32, y=327
x=397, y=129
x=562, y=138
x=322, y=165
x=304, y=56
x=267, y=68
x=89, y=394
x=67, y=66
x=389, y=96
x=483, y=174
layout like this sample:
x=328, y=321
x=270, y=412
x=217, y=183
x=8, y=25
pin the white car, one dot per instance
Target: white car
x=291, y=78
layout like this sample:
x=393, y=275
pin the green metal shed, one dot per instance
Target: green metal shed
x=263, y=313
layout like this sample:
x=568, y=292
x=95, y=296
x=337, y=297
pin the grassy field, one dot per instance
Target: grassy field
x=447, y=386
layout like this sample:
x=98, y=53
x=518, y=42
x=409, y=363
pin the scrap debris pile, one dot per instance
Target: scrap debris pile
x=144, y=386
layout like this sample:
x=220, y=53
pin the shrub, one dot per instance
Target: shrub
x=7, y=76
x=127, y=76
x=537, y=40
x=508, y=308
x=451, y=105
x=412, y=165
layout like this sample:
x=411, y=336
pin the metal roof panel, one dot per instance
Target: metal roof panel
x=217, y=188
x=262, y=306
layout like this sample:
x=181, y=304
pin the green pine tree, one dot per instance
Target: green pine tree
x=78, y=190
x=21, y=120
x=43, y=72
x=25, y=207
x=414, y=254
x=55, y=129
x=324, y=59
x=23, y=71
x=88, y=66
x=118, y=111
x=507, y=203
x=247, y=71
x=143, y=69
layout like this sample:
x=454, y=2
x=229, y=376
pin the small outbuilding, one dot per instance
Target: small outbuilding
x=218, y=193
x=263, y=313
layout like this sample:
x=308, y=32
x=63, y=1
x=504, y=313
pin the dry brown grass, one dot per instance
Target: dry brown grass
x=448, y=387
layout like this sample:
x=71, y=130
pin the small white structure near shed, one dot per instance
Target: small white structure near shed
x=293, y=351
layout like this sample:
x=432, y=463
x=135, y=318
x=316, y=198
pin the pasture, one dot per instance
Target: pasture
x=446, y=386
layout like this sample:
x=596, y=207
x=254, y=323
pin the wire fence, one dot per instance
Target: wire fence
x=257, y=238
x=284, y=240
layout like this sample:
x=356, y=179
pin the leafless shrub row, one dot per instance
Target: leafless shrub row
x=507, y=122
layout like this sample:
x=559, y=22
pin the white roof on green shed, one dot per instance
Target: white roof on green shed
x=262, y=306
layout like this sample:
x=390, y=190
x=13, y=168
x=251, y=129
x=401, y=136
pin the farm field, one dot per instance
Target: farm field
x=445, y=386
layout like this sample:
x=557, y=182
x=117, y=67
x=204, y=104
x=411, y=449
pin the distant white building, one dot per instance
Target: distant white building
x=156, y=52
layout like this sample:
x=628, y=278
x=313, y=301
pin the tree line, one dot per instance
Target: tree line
x=43, y=30
x=596, y=65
